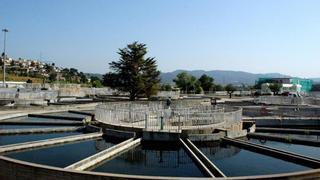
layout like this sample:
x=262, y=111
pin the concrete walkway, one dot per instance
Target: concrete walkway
x=203, y=168
x=48, y=142
x=47, y=116
x=288, y=131
x=274, y=152
x=81, y=112
x=105, y=155
x=43, y=122
x=285, y=139
x=209, y=164
x=12, y=113
x=39, y=130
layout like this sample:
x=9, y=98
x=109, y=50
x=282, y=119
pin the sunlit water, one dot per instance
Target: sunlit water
x=152, y=161
x=295, y=148
x=299, y=136
x=63, y=155
x=4, y=127
x=12, y=139
x=234, y=161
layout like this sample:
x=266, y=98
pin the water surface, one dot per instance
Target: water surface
x=233, y=161
x=299, y=136
x=12, y=139
x=67, y=114
x=63, y=155
x=153, y=161
x=3, y=127
x=295, y=148
x=28, y=119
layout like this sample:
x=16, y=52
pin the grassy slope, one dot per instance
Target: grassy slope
x=11, y=77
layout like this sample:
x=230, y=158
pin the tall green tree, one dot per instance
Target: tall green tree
x=230, y=90
x=83, y=78
x=275, y=88
x=185, y=82
x=52, y=77
x=134, y=73
x=206, y=82
x=96, y=82
x=151, y=77
x=197, y=88
x=166, y=87
x=218, y=87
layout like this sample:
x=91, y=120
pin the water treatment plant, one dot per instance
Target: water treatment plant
x=188, y=138
x=136, y=90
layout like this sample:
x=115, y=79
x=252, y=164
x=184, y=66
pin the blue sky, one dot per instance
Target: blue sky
x=247, y=35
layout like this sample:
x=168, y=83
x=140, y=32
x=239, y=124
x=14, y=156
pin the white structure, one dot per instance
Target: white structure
x=167, y=94
x=13, y=84
x=291, y=88
x=265, y=88
x=285, y=88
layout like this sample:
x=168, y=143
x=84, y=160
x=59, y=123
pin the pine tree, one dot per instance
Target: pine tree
x=133, y=72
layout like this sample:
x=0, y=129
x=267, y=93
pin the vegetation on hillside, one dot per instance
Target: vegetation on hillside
x=190, y=84
x=38, y=72
x=16, y=78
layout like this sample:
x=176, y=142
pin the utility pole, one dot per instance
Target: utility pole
x=4, y=56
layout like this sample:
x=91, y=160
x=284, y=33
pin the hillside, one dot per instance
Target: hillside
x=11, y=77
x=222, y=77
x=100, y=76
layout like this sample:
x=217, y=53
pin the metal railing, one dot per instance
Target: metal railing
x=279, y=100
x=156, y=117
x=28, y=94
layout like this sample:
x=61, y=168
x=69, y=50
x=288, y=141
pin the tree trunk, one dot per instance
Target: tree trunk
x=132, y=97
x=230, y=95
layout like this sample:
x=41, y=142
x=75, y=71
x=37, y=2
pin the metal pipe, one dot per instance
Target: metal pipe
x=4, y=56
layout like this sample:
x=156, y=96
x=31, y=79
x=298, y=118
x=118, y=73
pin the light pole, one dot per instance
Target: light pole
x=4, y=56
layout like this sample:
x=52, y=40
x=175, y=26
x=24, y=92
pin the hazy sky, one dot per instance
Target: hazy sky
x=248, y=35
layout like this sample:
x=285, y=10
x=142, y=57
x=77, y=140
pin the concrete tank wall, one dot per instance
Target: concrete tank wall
x=15, y=169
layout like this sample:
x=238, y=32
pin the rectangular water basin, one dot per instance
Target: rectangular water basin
x=27, y=119
x=152, y=161
x=12, y=139
x=67, y=114
x=299, y=136
x=63, y=155
x=234, y=161
x=310, y=151
x=4, y=127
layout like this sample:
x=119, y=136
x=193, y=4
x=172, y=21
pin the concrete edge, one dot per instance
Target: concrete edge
x=210, y=165
x=39, y=130
x=47, y=142
x=111, y=154
x=65, y=108
x=77, y=165
x=274, y=152
x=202, y=167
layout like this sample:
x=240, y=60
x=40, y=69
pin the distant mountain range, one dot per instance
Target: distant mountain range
x=100, y=76
x=220, y=76
x=223, y=77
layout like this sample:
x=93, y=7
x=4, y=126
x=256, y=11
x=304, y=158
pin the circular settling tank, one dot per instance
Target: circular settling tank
x=151, y=140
